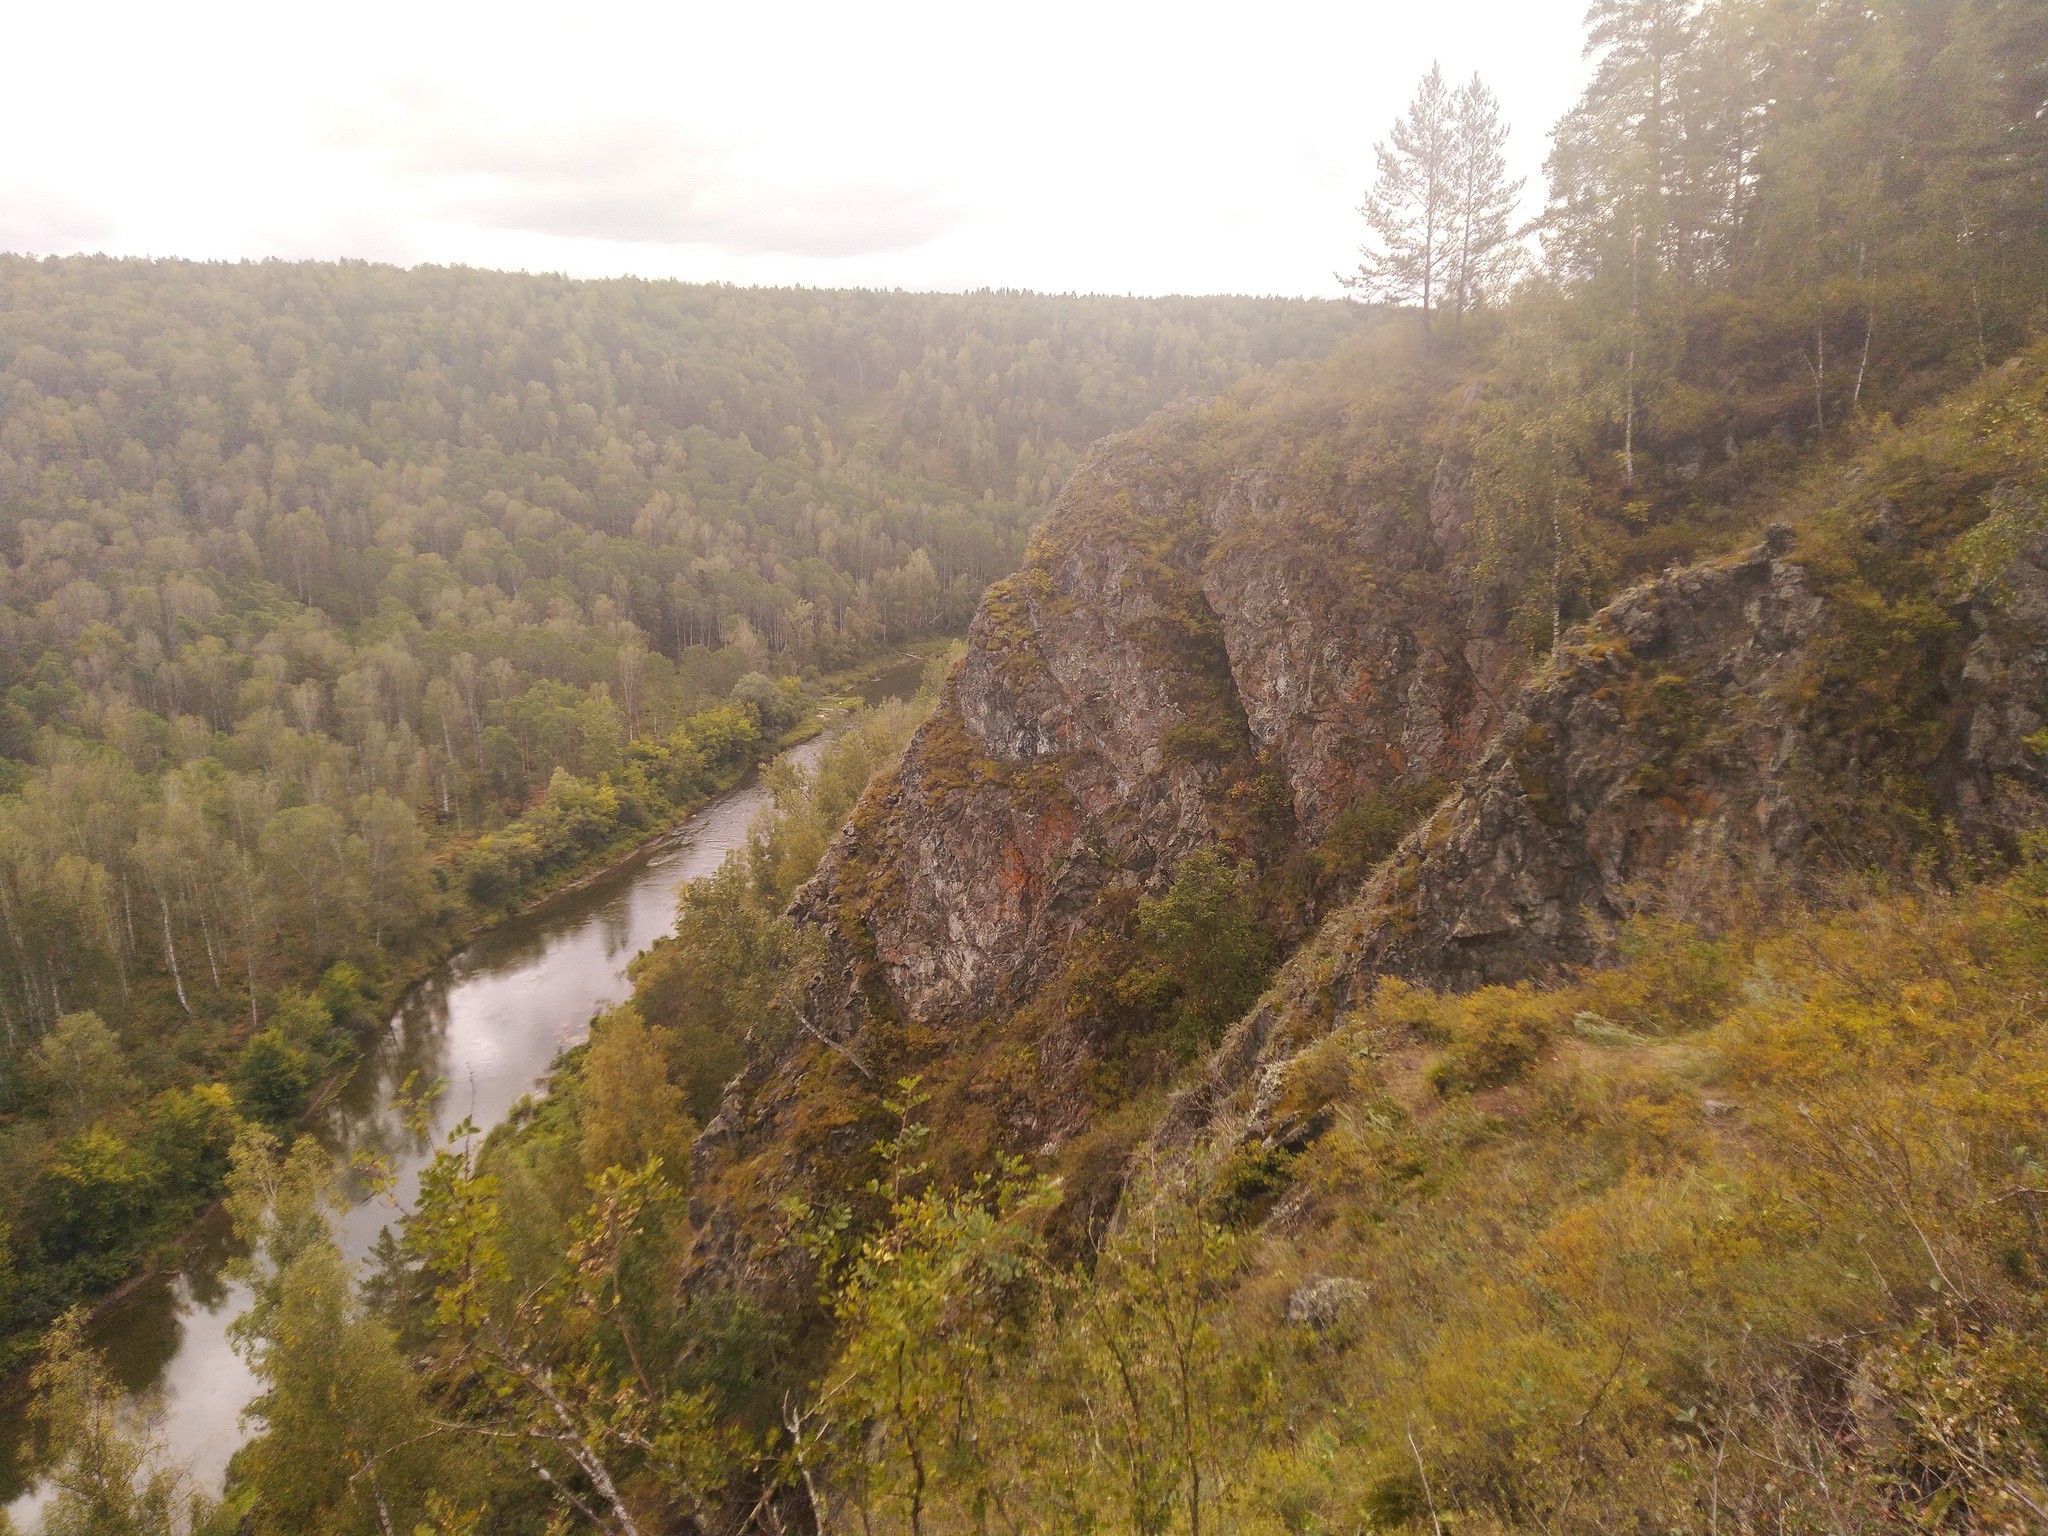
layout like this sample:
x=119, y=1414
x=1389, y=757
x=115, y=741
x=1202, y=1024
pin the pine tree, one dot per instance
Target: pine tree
x=1482, y=199
x=1409, y=209
x=1617, y=193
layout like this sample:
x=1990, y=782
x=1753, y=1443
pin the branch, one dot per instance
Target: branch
x=1416, y=1450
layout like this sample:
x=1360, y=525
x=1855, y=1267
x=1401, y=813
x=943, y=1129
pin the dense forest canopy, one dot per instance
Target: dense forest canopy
x=342, y=603
x=704, y=464
x=1741, y=1230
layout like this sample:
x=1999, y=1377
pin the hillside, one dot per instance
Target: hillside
x=1197, y=656
x=345, y=608
x=1459, y=951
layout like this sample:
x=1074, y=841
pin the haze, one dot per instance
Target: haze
x=1141, y=149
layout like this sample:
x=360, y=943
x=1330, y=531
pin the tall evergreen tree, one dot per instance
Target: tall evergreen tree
x=1411, y=205
x=1482, y=198
x=1615, y=164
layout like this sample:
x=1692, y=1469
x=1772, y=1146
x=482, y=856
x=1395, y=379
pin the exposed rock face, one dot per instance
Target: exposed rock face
x=1203, y=646
x=1221, y=635
x=1176, y=634
x=1694, y=727
x=1346, y=691
x=1047, y=769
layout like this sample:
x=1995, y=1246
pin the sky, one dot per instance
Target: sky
x=1096, y=147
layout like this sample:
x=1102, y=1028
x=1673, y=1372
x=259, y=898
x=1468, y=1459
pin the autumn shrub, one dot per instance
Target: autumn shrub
x=1496, y=1035
x=1779, y=1253
x=1372, y=826
x=1318, y=1078
x=1670, y=977
x=1195, y=742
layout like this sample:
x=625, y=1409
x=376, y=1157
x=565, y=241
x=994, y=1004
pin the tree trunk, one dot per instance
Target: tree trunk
x=1820, y=368
x=1556, y=567
x=171, y=955
x=1628, y=423
x=1869, y=320
x=1628, y=429
x=127, y=910
x=206, y=938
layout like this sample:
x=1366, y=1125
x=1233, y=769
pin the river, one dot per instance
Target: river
x=486, y=1025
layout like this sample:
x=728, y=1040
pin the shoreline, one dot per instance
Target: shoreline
x=838, y=697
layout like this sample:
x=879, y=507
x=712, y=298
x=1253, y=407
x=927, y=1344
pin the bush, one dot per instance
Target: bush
x=347, y=998
x=191, y=1131
x=725, y=735
x=1671, y=978
x=775, y=705
x=488, y=876
x=1372, y=827
x=93, y=1196
x=273, y=1078
x=1191, y=742
x=1496, y=1035
x=1319, y=1077
x=575, y=816
x=679, y=764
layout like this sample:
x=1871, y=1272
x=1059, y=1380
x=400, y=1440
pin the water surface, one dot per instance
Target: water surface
x=486, y=1024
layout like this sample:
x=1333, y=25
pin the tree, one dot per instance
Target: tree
x=1410, y=207
x=1617, y=190
x=1482, y=199
x=574, y=1385
x=305, y=853
x=631, y=1111
x=921, y=1303
x=1529, y=485
x=345, y=1444
x=1441, y=210
x=1152, y=1356
x=1205, y=930
x=109, y=1476
x=396, y=868
x=80, y=1070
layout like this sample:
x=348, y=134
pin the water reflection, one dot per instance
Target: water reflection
x=897, y=682
x=486, y=1026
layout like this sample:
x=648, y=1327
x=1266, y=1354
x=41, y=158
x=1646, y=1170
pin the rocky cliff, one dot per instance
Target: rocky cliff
x=1248, y=618
x=1238, y=622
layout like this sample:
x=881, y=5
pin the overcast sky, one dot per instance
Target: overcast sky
x=1097, y=146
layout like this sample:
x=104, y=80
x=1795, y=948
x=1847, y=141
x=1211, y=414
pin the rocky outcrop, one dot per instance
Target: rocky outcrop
x=1223, y=634
x=1214, y=639
x=1178, y=634
x=1702, y=727
x=1347, y=690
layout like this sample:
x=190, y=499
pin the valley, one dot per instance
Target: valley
x=1441, y=928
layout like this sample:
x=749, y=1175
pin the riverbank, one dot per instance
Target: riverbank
x=418, y=986
x=461, y=923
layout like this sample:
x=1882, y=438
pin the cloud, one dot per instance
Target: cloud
x=640, y=181
x=37, y=219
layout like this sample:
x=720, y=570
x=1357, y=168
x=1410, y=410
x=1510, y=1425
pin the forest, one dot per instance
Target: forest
x=346, y=607
x=1739, y=1227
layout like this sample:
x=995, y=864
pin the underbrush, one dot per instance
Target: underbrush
x=1739, y=1232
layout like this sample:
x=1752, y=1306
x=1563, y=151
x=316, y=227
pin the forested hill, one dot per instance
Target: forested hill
x=329, y=428
x=1460, y=953
x=340, y=602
